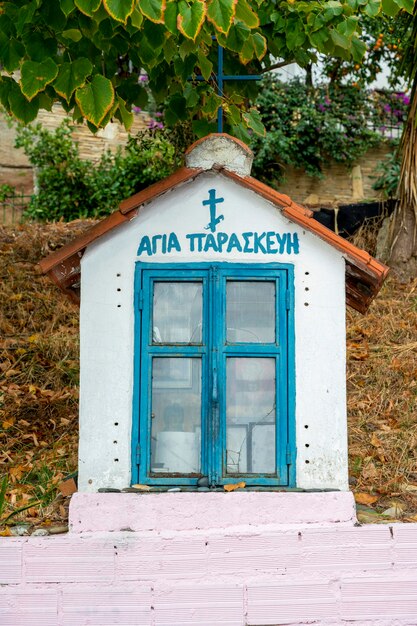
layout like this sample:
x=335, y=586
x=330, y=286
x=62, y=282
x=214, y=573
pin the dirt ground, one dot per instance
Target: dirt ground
x=39, y=393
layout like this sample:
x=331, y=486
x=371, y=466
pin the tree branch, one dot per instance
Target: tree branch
x=276, y=66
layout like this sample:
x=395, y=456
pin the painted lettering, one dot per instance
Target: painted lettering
x=247, y=237
x=248, y=243
x=293, y=244
x=257, y=244
x=222, y=238
x=210, y=243
x=173, y=243
x=145, y=246
x=234, y=243
x=155, y=240
x=270, y=242
x=281, y=239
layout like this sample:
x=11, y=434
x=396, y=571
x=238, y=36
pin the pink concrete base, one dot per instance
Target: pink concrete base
x=90, y=512
x=307, y=574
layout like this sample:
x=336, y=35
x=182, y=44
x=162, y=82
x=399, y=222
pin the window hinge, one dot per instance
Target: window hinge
x=138, y=454
x=140, y=299
x=288, y=299
x=288, y=454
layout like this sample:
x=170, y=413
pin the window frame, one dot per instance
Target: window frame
x=214, y=353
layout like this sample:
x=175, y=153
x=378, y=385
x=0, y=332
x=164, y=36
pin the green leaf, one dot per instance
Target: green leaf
x=254, y=121
x=339, y=40
x=358, y=49
x=153, y=10
x=348, y=27
x=170, y=49
x=170, y=16
x=237, y=36
x=254, y=46
x=390, y=7
x=119, y=9
x=205, y=65
x=245, y=14
x=11, y=52
x=319, y=38
x=21, y=108
x=212, y=104
x=191, y=19
x=203, y=127
x=73, y=34
x=95, y=99
x=372, y=8
x=295, y=34
x=67, y=6
x=221, y=13
x=72, y=76
x=136, y=18
x=127, y=116
x=407, y=5
x=5, y=89
x=25, y=16
x=88, y=7
x=35, y=76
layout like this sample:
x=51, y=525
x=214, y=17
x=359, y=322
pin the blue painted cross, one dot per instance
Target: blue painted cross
x=211, y=202
x=221, y=78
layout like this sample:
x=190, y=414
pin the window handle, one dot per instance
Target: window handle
x=215, y=393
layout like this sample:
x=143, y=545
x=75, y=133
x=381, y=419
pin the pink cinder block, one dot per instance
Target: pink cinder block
x=250, y=554
x=378, y=598
x=67, y=559
x=28, y=607
x=145, y=558
x=347, y=558
x=10, y=561
x=199, y=605
x=101, y=606
x=338, y=535
x=296, y=603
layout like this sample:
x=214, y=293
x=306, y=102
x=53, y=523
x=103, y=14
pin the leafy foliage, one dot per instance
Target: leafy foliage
x=308, y=126
x=69, y=187
x=88, y=54
x=389, y=176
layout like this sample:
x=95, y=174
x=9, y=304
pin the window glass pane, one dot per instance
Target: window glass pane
x=176, y=415
x=250, y=311
x=250, y=415
x=177, y=312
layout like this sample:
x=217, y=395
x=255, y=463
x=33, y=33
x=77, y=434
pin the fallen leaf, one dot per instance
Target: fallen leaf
x=234, y=486
x=365, y=498
x=142, y=487
x=6, y=532
x=375, y=441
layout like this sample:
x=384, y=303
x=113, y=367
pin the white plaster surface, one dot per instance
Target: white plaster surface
x=107, y=337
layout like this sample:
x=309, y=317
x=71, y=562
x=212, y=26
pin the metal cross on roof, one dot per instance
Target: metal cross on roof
x=221, y=78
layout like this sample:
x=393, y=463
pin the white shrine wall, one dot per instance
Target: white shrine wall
x=107, y=329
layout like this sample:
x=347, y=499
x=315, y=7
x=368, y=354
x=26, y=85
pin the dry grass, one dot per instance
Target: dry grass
x=39, y=398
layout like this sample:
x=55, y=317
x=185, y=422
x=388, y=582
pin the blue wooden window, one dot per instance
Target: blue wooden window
x=214, y=374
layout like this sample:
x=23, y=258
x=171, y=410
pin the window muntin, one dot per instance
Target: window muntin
x=210, y=420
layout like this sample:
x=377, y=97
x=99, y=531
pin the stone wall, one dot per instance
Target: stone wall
x=15, y=168
x=340, y=184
